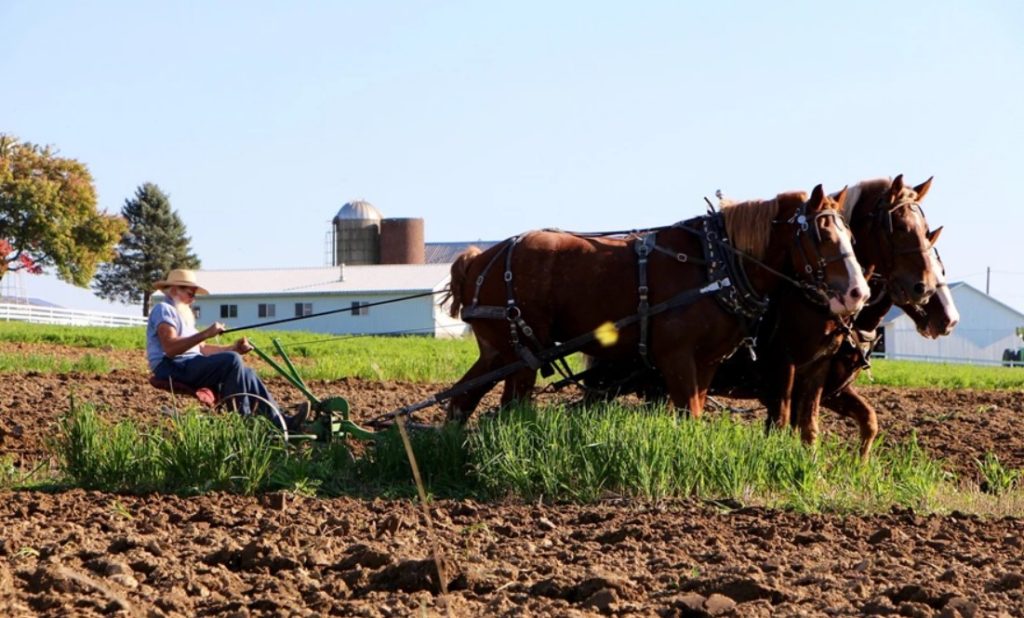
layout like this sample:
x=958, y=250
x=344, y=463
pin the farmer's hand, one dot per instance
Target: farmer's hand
x=242, y=346
x=213, y=330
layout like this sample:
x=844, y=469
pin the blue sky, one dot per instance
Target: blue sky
x=261, y=119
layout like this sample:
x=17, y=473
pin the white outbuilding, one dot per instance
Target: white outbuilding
x=258, y=297
x=987, y=328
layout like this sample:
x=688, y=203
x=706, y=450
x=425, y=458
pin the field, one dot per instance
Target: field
x=84, y=552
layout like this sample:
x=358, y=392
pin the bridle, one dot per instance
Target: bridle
x=883, y=219
x=814, y=263
x=920, y=309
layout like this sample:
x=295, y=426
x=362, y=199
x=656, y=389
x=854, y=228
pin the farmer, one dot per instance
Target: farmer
x=177, y=351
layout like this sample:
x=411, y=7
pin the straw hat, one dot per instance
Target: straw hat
x=181, y=277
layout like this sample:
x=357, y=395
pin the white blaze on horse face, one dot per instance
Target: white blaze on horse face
x=952, y=315
x=857, y=291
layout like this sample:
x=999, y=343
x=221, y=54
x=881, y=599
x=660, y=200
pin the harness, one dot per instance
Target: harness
x=725, y=275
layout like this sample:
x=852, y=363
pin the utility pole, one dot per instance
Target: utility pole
x=988, y=279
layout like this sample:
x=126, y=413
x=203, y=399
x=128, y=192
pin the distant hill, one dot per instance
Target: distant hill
x=35, y=302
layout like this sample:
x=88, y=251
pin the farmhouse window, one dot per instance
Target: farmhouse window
x=302, y=309
x=229, y=311
x=267, y=310
x=359, y=308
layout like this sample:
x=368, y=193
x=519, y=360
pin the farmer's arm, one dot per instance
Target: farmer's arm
x=241, y=346
x=173, y=344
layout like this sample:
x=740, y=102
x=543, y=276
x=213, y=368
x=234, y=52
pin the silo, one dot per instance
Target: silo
x=357, y=234
x=401, y=241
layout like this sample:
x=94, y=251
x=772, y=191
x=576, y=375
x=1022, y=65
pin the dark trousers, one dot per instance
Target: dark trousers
x=225, y=373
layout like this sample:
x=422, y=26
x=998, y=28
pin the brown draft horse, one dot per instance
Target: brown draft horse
x=555, y=286
x=796, y=342
x=936, y=318
x=893, y=241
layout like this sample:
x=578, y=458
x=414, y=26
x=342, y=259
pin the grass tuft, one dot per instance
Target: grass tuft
x=529, y=453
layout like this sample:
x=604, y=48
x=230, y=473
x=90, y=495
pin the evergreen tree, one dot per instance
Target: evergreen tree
x=155, y=243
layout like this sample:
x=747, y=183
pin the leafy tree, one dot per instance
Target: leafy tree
x=48, y=214
x=155, y=242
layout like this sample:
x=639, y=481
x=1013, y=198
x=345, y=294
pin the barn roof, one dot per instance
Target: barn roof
x=446, y=252
x=324, y=280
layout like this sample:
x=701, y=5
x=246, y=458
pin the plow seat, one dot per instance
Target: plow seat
x=205, y=395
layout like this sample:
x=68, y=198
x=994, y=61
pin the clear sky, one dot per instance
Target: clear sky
x=261, y=119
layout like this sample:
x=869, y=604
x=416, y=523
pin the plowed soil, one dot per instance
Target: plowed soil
x=84, y=553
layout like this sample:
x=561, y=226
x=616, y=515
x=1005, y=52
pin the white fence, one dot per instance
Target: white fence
x=71, y=317
x=948, y=360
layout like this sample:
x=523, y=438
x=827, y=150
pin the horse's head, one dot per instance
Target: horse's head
x=821, y=250
x=893, y=239
x=939, y=316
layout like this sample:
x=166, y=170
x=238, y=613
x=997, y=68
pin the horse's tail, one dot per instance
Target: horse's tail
x=459, y=269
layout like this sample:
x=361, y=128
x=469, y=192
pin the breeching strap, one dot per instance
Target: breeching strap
x=643, y=250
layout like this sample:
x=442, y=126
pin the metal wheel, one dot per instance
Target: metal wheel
x=277, y=416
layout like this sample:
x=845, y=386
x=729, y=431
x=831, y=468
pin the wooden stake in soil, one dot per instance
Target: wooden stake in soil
x=436, y=548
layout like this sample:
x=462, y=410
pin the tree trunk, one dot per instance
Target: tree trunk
x=145, y=303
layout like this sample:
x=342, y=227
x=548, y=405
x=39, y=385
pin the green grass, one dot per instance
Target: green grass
x=41, y=363
x=191, y=453
x=526, y=453
x=126, y=338
x=418, y=359
x=617, y=451
x=941, y=375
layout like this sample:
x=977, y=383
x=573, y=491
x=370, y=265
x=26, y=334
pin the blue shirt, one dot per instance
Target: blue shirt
x=165, y=313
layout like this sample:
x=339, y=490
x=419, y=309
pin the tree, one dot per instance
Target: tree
x=48, y=214
x=154, y=243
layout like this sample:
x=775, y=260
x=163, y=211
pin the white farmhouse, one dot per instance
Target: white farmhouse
x=987, y=328
x=258, y=297
x=375, y=261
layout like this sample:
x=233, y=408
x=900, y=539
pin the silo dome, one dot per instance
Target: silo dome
x=357, y=234
x=360, y=210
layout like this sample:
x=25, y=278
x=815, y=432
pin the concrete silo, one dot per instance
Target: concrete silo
x=401, y=241
x=357, y=234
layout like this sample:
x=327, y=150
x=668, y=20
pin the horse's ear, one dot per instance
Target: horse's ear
x=933, y=236
x=922, y=188
x=897, y=186
x=817, y=197
x=840, y=199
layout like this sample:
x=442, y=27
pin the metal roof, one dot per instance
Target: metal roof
x=359, y=210
x=446, y=252
x=325, y=280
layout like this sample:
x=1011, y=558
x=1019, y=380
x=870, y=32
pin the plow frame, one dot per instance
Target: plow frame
x=331, y=421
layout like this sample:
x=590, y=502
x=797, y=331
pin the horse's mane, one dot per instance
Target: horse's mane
x=749, y=224
x=856, y=193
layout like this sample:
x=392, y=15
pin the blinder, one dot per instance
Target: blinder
x=815, y=264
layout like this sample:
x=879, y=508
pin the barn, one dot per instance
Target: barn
x=987, y=328
x=258, y=297
x=375, y=264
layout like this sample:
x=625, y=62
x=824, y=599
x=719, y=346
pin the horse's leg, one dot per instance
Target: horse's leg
x=849, y=403
x=461, y=406
x=808, y=403
x=683, y=385
x=519, y=386
x=806, y=395
x=779, y=396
